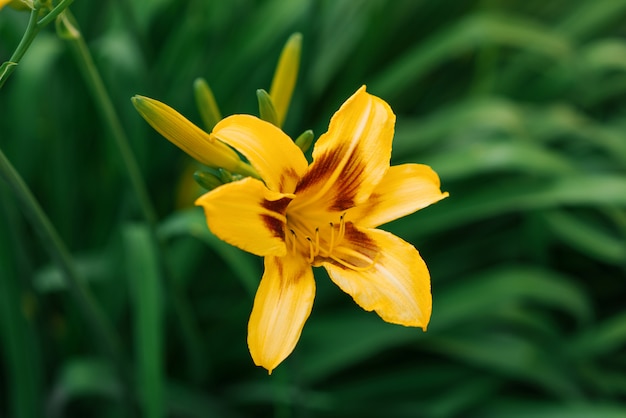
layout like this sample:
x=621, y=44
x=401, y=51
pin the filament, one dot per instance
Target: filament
x=326, y=248
x=354, y=267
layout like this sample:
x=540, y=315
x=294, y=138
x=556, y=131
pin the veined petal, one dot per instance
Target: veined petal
x=270, y=151
x=403, y=190
x=397, y=283
x=352, y=157
x=247, y=215
x=188, y=137
x=282, y=304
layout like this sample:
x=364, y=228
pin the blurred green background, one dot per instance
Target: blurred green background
x=518, y=105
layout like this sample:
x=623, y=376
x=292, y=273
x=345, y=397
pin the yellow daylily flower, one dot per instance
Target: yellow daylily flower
x=325, y=214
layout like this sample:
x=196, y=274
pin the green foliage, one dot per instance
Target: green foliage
x=519, y=106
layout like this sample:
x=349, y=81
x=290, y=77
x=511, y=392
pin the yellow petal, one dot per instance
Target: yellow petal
x=270, y=151
x=187, y=136
x=403, y=190
x=397, y=283
x=247, y=215
x=352, y=157
x=282, y=305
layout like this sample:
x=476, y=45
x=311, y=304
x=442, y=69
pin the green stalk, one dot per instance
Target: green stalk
x=54, y=12
x=61, y=256
x=109, y=115
x=32, y=29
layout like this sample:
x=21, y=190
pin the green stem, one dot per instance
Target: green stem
x=32, y=29
x=61, y=256
x=111, y=119
x=54, y=13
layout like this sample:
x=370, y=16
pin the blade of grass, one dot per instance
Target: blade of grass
x=86, y=378
x=511, y=356
x=578, y=22
x=588, y=238
x=484, y=294
x=99, y=323
x=473, y=31
x=19, y=347
x=111, y=120
x=585, y=17
x=517, y=408
x=193, y=223
x=608, y=335
x=511, y=155
x=144, y=277
x=485, y=114
x=514, y=196
x=349, y=337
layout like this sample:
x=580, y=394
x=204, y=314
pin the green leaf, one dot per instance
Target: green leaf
x=510, y=356
x=533, y=409
x=144, y=276
x=517, y=196
x=96, y=267
x=485, y=115
x=20, y=346
x=470, y=33
x=583, y=19
x=511, y=155
x=605, y=337
x=591, y=239
x=191, y=402
x=478, y=297
x=336, y=341
x=81, y=378
x=192, y=223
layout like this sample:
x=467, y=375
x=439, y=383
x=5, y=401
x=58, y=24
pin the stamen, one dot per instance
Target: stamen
x=317, y=241
x=356, y=268
x=293, y=241
x=324, y=246
x=332, y=238
x=342, y=227
x=311, y=252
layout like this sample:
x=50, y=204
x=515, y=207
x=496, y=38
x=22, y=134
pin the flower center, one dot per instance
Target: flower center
x=318, y=243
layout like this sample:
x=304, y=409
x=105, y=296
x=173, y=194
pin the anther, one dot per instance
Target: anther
x=342, y=227
x=317, y=241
